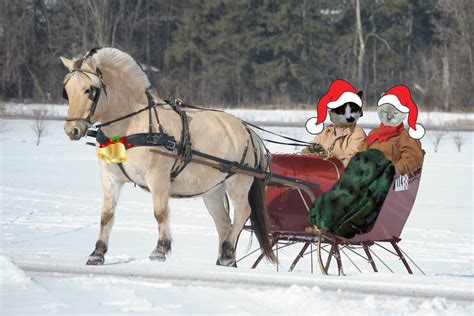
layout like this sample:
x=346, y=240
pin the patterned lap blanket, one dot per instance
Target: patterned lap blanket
x=352, y=205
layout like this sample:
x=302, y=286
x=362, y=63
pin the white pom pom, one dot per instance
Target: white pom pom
x=418, y=133
x=311, y=126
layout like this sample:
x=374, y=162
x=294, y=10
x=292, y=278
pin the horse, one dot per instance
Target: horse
x=107, y=84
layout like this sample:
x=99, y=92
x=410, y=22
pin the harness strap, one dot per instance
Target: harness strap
x=244, y=155
x=216, y=162
x=160, y=128
x=120, y=165
x=184, y=149
x=255, y=153
x=140, y=139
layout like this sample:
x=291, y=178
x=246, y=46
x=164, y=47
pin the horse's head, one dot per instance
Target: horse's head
x=82, y=88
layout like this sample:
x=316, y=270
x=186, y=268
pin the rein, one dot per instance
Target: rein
x=297, y=142
x=151, y=104
x=184, y=153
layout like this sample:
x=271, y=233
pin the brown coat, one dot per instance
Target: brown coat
x=404, y=151
x=343, y=146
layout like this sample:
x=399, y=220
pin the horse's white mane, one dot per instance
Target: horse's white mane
x=123, y=62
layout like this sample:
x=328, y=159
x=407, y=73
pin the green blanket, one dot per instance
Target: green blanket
x=352, y=205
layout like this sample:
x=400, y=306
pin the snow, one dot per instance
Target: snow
x=50, y=206
x=252, y=115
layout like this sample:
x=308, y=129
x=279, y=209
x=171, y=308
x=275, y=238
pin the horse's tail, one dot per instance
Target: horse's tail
x=259, y=218
x=258, y=214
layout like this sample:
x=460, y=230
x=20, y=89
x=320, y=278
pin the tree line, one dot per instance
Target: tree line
x=248, y=52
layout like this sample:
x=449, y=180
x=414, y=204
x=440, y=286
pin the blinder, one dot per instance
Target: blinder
x=93, y=94
x=65, y=97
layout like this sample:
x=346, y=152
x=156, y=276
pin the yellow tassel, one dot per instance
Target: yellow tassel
x=113, y=153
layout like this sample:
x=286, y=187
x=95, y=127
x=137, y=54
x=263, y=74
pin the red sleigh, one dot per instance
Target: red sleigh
x=288, y=208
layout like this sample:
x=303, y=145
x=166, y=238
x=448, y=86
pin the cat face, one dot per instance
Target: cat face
x=345, y=115
x=389, y=115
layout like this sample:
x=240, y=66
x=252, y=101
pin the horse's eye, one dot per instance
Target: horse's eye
x=87, y=91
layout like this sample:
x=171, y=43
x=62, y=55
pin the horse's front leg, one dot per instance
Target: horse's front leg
x=111, y=187
x=160, y=209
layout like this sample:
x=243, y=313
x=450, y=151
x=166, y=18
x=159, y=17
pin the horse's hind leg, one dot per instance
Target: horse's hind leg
x=160, y=210
x=238, y=192
x=111, y=190
x=215, y=204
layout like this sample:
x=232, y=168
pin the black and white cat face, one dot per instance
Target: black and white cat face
x=346, y=115
x=389, y=115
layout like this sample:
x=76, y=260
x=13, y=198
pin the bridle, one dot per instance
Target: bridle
x=94, y=94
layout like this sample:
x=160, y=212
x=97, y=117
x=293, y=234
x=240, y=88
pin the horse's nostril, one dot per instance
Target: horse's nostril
x=75, y=131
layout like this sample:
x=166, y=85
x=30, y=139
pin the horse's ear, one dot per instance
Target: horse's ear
x=89, y=64
x=69, y=63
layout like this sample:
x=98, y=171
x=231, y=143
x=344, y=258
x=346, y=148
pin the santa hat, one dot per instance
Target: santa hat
x=400, y=97
x=339, y=93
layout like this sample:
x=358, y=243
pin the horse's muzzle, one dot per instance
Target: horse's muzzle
x=75, y=129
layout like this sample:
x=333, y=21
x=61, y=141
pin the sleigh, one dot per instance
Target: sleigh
x=288, y=209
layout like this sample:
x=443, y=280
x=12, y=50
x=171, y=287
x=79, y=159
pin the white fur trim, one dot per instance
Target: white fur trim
x=344, y=98
x=419, y=133
x=393, y=100
x=311, y=126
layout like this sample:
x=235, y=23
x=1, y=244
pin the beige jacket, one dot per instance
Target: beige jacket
x=343, y=146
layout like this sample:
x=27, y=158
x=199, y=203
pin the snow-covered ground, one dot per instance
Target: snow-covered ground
x=252, y=115
x=50, y=206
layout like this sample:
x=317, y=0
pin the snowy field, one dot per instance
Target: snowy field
x=50, y=207
x=250, y=115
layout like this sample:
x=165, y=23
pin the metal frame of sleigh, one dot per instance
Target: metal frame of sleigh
x=288, y=208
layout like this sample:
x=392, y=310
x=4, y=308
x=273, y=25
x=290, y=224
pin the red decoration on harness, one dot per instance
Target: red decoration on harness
x=115, y=140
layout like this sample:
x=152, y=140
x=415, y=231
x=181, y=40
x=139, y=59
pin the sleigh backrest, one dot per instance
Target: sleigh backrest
x=395, y=210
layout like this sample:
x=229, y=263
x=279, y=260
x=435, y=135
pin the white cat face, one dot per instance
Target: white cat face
x=389, y=115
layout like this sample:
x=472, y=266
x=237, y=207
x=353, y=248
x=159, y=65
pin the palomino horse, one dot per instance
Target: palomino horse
x=107, y=84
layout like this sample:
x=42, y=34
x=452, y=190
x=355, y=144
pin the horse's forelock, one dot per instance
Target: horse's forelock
x=96, y=82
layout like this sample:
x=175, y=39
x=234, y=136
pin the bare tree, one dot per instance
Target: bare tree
x=459, y=140
x=39, y=125
x=456, y=53
x=361, y=48
x=3, y=124
x=437, y=135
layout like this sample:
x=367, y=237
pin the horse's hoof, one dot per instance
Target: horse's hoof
x=157, y=257
x=232, y=264
x=95, y=261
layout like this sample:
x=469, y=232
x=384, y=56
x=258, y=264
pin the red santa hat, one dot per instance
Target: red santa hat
x=400, y=97
x=339, y=93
